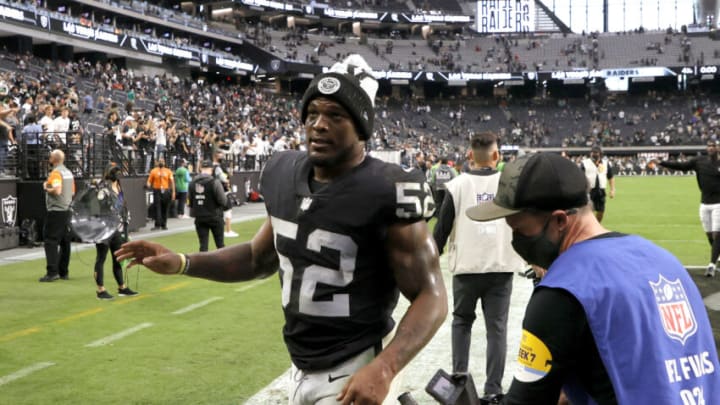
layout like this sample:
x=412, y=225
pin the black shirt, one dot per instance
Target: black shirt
x=707, y=172
x=207, y=198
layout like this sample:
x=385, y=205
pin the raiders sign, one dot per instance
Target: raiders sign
x=9, y=210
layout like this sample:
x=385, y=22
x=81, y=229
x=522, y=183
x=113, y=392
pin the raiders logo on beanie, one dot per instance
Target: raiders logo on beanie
x=351, y=84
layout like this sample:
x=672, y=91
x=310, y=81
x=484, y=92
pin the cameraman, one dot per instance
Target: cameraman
x=207, y=203
x=111, y=183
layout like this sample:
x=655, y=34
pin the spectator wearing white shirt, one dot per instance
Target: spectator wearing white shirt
x=46, y=122
x=236, y=149
x=281, y=144
x=60, y=126
x=264, y=149
x=160, y=140
x=27, y=106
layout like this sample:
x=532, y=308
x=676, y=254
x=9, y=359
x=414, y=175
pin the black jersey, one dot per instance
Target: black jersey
x=338, y=291
x=707, y=172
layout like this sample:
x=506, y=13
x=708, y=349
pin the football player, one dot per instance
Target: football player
x=347, y=232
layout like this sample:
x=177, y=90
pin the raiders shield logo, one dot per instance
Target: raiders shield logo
x=328, y=85
x=9, y=210
x=676, y=315
x=274, y=65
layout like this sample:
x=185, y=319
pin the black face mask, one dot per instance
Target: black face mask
x=536, y=249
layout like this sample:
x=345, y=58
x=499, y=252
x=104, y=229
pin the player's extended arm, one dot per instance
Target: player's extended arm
x=414, y=260
x=683, y=166
x=240, y=262
x=611, y=183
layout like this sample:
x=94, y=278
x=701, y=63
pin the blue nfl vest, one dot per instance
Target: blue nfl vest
x=648, y=320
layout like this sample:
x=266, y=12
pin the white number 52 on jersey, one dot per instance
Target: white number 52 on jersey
x=414, y=200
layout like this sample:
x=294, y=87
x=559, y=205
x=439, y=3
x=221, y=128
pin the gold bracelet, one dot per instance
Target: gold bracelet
x=187, y=264
x=183, y=264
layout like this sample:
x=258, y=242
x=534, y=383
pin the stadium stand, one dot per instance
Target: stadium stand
x=437, y=124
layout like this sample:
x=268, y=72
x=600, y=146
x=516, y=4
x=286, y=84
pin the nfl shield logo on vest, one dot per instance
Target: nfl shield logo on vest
x=484, y=197
x=9, y=210
x=675, y=312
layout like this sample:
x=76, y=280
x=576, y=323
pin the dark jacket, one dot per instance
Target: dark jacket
x=207, y=198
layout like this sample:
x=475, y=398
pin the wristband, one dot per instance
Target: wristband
x=184, y=264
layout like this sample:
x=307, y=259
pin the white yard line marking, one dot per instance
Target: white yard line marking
x=196, y=305
x=24, y=372
x=252, y=285
x=119, y=335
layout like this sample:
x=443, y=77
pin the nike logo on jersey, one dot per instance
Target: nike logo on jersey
x=337, y=377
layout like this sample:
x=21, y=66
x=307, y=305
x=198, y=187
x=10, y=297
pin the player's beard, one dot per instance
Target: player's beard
x=340, y=156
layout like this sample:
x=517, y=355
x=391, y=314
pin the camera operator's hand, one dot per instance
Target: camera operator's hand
x=152, y=255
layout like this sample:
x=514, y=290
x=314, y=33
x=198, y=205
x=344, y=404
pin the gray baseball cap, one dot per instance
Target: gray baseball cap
x=541, y=181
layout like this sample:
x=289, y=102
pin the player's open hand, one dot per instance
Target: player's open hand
x=369, y=386
x=152, y=255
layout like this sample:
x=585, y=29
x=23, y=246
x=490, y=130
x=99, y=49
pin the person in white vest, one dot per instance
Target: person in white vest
x=599, y=176
x=482, y=260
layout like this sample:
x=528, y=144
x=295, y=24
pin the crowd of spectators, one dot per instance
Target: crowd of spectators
x=151, y=116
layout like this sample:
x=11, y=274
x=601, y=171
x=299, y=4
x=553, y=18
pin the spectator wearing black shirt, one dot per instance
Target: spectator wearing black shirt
x=183, y=144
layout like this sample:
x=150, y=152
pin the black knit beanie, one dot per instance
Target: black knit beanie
x=351, y=84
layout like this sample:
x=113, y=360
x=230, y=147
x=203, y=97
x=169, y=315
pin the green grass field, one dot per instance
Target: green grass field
x=225, y=351
x=663, y=209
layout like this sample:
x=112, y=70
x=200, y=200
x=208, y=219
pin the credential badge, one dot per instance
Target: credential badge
x=9, y=210
x=676, y=314
x=328, y=85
